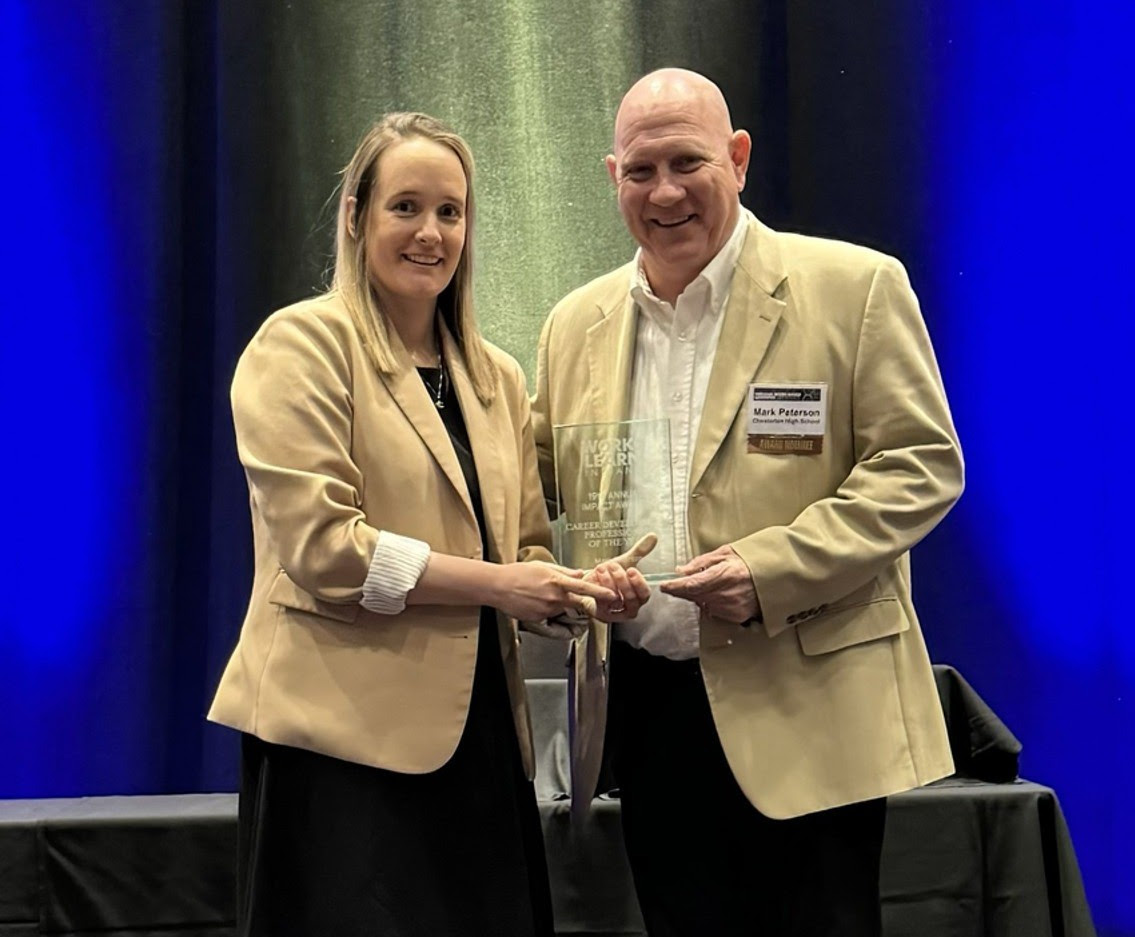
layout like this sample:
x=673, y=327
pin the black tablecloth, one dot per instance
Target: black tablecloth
x=118, y=865
x=961, y=858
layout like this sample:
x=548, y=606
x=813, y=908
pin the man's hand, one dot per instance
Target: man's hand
x=720, y=584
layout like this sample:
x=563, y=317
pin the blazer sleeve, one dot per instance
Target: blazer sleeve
x=908, y=469
x=292, y=410
x=541, y=416
x=535, y=541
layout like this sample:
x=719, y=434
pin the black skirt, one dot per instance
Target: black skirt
x=328, y=847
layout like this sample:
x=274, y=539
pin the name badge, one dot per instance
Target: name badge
x=788, y=418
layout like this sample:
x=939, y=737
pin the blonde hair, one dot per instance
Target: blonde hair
x=350, y=279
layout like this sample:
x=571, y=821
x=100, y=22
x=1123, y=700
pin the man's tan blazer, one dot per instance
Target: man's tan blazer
x=831, y=698
x=335, y=452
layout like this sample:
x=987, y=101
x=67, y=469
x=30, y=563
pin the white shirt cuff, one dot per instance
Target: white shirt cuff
x=395, y=568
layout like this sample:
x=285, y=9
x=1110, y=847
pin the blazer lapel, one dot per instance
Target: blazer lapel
x=750, y=320
x=410, y=394
x=484, y=435
x=610, y=359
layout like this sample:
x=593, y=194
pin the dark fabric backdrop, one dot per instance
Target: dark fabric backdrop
x=207, y=137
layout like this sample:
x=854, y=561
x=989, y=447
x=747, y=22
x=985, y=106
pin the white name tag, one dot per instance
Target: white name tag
x=788, y=418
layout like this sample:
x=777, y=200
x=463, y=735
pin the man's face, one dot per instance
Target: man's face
x=678, y=169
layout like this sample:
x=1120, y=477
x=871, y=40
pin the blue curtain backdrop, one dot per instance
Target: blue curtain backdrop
x=167, y=168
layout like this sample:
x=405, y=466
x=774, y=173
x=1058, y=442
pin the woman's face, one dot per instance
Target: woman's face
x=416, y=224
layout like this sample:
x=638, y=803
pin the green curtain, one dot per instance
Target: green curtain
x=533, y=85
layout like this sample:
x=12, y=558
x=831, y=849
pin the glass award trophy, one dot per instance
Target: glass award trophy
x=614, y=485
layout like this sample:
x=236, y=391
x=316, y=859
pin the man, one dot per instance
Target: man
x=765, y=702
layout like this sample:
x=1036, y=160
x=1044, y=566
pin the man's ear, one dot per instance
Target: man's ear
x=740, y=149
x=612, y=167
x=352, y=207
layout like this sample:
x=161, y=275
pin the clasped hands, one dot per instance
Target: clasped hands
x=613, y=591
x=718, y=582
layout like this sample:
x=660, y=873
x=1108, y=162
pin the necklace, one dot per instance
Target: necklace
x=439, y=391
x=442, y=378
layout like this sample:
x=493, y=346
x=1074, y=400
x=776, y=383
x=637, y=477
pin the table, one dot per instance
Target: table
x=961, y=858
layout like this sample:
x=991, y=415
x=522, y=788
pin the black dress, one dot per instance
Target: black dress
x=329, y=847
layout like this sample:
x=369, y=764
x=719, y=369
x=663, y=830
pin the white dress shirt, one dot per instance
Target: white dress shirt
x=674, y=351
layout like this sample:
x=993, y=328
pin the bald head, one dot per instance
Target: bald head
x=677, y=91
x=679, y=167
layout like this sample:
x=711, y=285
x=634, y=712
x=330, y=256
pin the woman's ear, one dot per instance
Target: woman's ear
x=352, y=209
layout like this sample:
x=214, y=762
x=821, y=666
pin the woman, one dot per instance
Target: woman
x=393, y=483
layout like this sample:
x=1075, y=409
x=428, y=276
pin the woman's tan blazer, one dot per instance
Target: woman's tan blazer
x=335, y=452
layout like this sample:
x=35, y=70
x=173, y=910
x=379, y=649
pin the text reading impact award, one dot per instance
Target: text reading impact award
x=614, y=485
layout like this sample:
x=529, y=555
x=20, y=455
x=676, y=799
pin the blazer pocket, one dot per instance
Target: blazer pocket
x=286, y=593
x=851, y=625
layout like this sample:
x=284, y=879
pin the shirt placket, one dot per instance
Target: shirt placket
x=680, y=366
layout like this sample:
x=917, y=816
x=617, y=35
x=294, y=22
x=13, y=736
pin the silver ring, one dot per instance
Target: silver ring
x=618, y=609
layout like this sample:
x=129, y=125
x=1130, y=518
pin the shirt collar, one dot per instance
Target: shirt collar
x=715, y=277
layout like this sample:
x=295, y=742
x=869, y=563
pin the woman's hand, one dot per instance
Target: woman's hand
x=534, y=591
x=620, y=575
x=628, y=587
